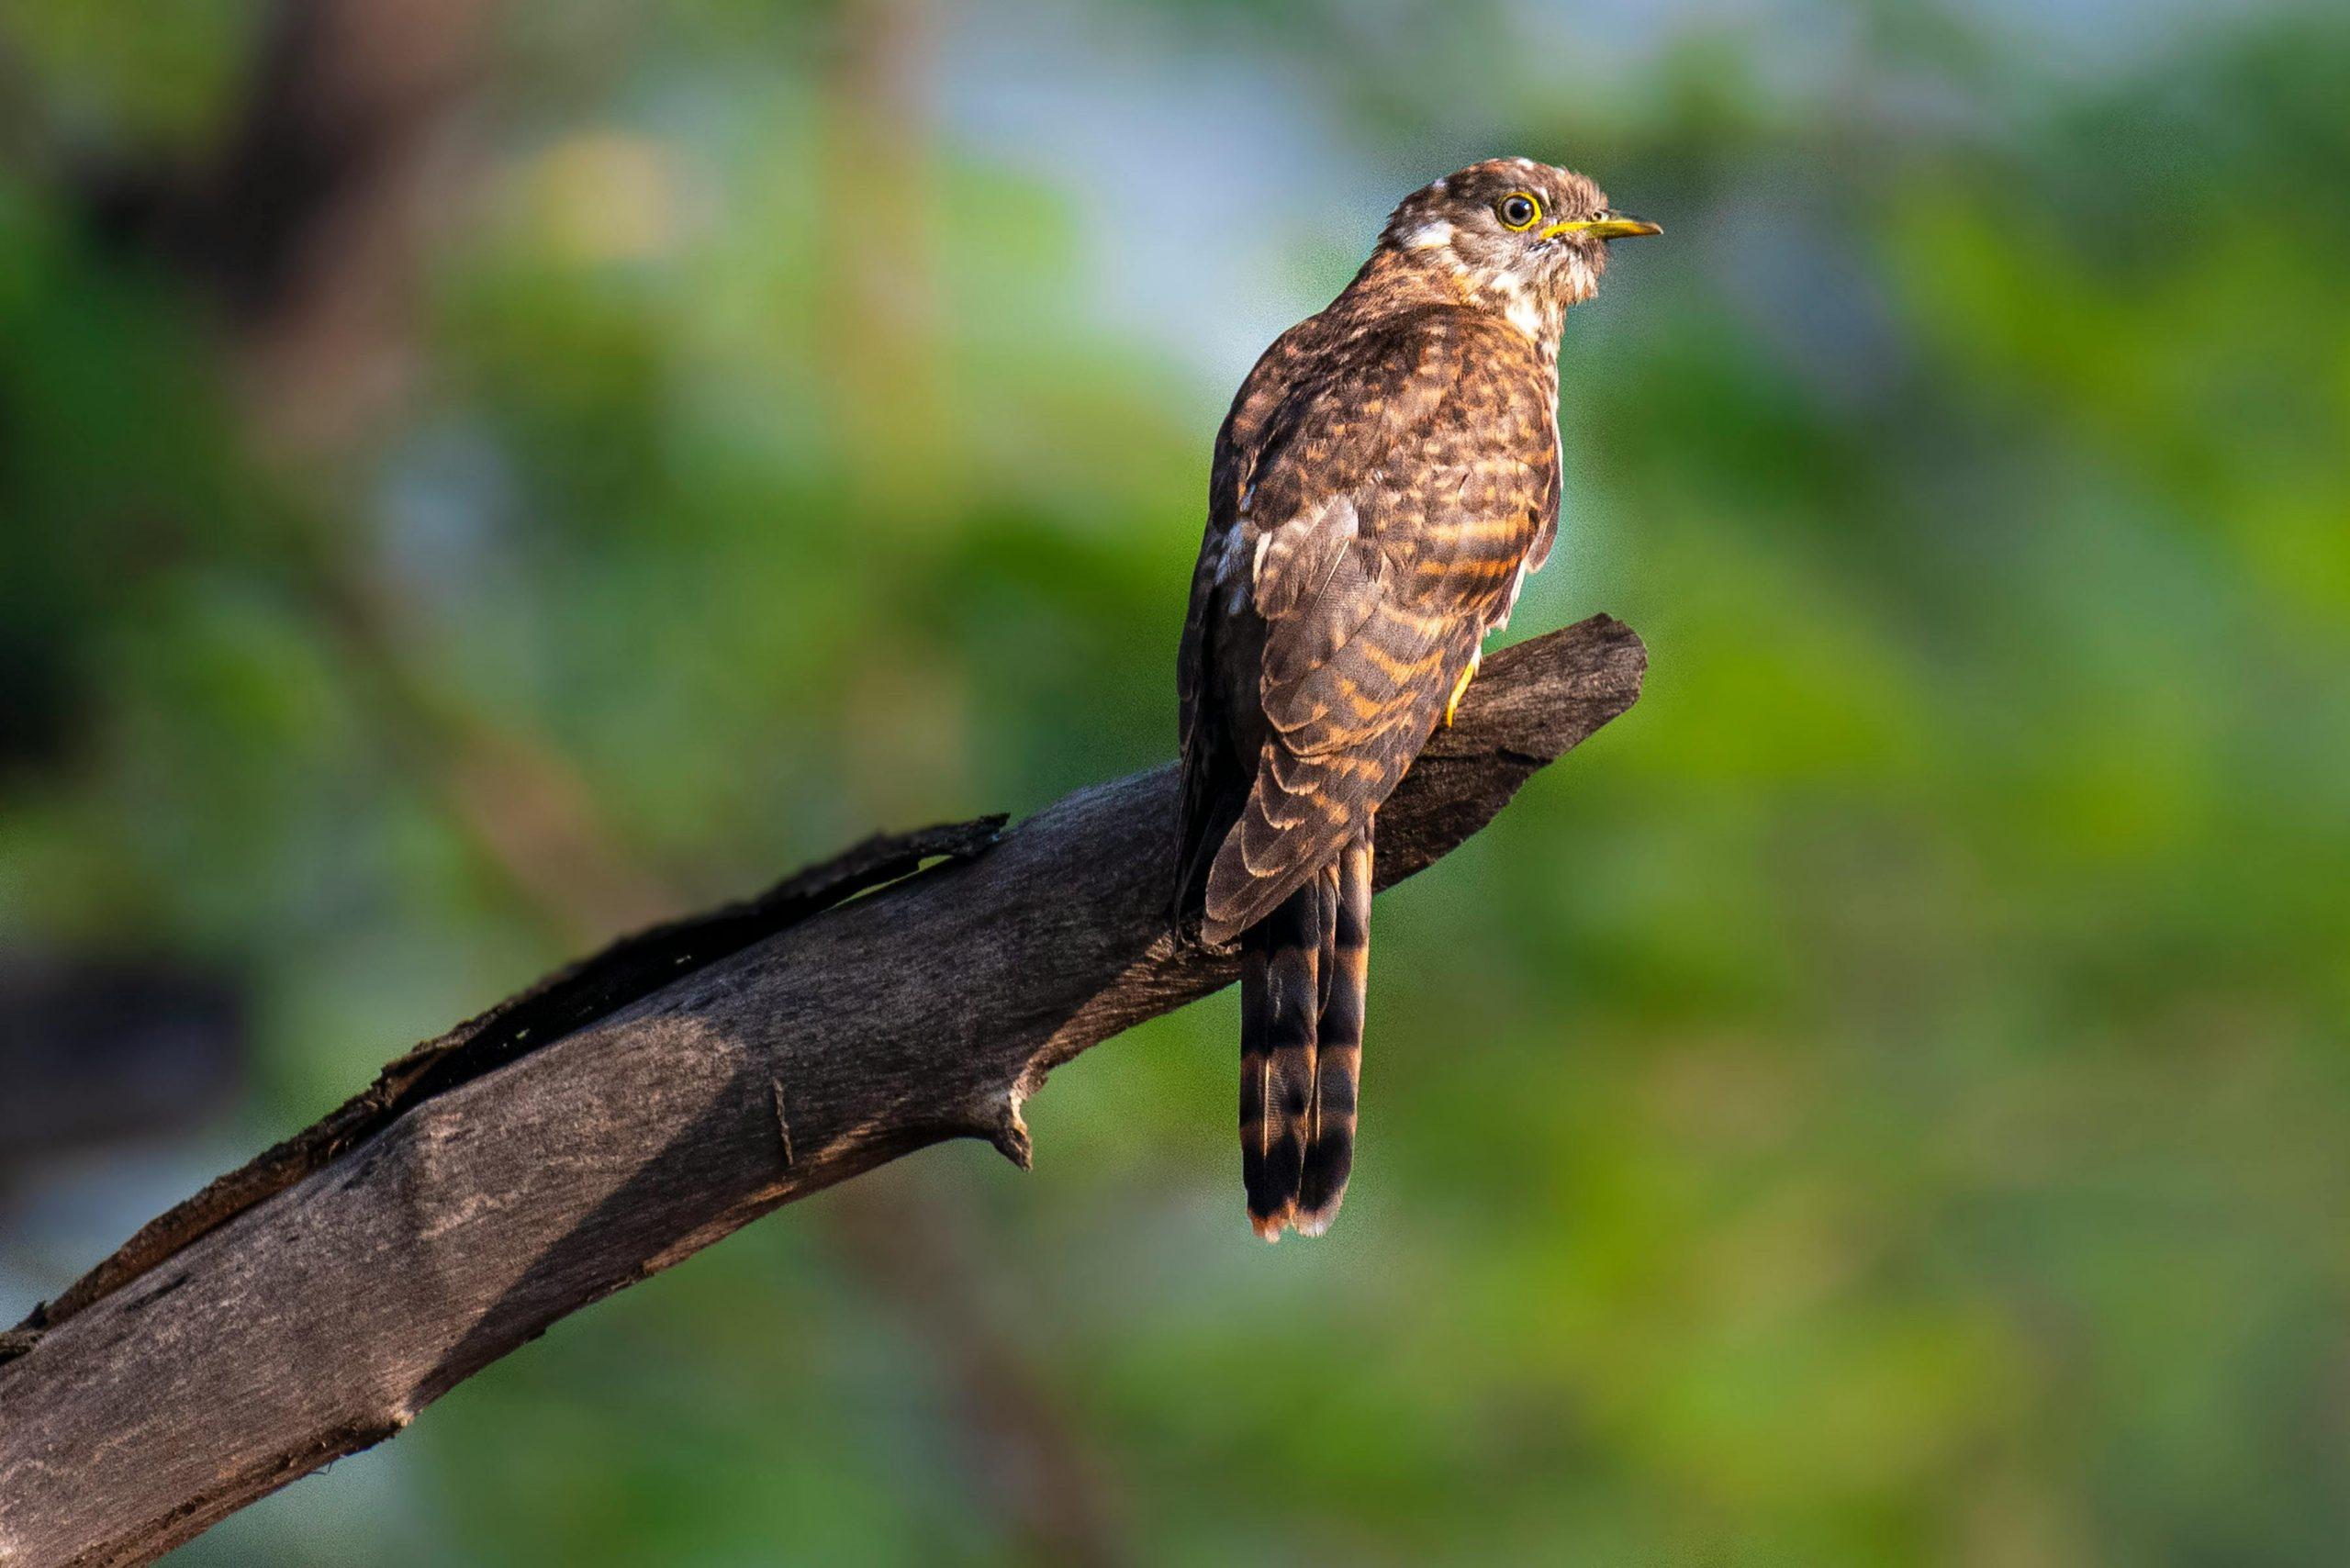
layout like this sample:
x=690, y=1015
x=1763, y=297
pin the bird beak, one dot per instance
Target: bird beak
x=1612, y=227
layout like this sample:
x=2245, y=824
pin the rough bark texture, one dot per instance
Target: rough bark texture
x=635, y=1108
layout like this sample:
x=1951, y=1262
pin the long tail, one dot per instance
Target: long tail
x=1280, y=996
x=1301, y=974
x=1337, y=1061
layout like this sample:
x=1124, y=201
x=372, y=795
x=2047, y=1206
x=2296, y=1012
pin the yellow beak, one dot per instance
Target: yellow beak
x=1612, y=227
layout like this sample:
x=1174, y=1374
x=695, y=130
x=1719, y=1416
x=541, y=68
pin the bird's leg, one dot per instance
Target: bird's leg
x=1476, y=656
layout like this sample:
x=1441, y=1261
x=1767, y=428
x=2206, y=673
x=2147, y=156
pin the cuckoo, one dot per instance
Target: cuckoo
x=1387, y=477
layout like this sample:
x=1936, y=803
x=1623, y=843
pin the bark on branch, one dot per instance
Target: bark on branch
x=633, y=1109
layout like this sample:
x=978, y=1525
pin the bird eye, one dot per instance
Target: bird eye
x=1518, y=210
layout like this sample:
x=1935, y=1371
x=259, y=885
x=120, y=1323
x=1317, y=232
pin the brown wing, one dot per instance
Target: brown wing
x=1218, y=645
x=1204, y=757
x=1396, y=498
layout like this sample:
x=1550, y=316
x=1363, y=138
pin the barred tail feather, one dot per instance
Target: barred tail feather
x=1281, y=994
x=1337, y=1062
x=1303, y=971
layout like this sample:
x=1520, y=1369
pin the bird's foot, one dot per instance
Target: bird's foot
x=1452, y=703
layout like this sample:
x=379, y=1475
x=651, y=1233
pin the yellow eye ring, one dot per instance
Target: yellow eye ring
x=1519, y=209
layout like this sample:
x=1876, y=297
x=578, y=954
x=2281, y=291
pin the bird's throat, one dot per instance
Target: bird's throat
x=1438, y=276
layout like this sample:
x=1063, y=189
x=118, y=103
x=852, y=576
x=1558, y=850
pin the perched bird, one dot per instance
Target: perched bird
x=1387, y=477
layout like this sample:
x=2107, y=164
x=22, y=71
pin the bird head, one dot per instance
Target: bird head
x=1520, y=237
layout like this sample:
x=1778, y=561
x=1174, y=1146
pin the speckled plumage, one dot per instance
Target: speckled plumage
x=1387, y=475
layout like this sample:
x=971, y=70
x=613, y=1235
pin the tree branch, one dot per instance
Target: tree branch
x=635, y=1108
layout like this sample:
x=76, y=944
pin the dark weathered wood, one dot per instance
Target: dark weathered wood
x=571, y=998
x=639, y=1107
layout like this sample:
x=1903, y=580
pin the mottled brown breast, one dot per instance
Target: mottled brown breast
x=1384, y=476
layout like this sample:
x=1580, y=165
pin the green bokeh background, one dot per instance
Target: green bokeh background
x=1883, y=1100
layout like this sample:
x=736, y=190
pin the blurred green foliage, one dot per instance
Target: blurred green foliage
x=1883, y=1102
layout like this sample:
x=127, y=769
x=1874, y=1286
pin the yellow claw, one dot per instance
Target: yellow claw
x=1452, y=703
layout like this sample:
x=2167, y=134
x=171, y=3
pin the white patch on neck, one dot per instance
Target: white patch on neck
x=1430, y=235
x=1519, y=307
x=1581, y=282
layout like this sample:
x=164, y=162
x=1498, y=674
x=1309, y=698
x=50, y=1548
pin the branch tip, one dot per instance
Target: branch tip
x=1010, y=1135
